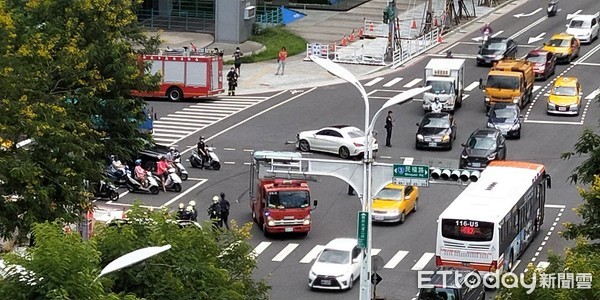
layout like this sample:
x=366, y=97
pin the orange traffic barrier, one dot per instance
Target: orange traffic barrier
x=344, y=41
x=414, y=24
x=361, y=33
x=371, y=27
x=439, y=39
x=351, y=37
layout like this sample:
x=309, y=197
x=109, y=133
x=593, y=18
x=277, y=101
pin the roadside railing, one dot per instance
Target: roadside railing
x=180, y=20
x=414, y=47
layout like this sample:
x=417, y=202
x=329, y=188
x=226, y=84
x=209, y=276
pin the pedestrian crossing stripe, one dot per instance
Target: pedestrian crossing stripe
x=472, y=86
x=374, y=81
x=396, y=259
x=536, y=87
x=420, y=265
x=412, y=83
x=393, y=81
x=285, y=252
x=260, y=248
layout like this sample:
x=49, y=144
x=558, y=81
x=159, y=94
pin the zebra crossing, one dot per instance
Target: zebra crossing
x=405, y=84
x=175, y=126
x=309, y=257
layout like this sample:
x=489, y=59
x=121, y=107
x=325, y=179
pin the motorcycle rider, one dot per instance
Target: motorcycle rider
x=214, y=212
x=161, y=170
x=194, y=211
x=436, y=106
x=202, y=151
x=171, y=155
x=181, y=213
x=118, y=168
x=449, y=54
x=486, y=30
x=140, y=173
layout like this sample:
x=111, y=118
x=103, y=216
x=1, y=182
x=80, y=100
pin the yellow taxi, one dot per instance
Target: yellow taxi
x=565, y=96
x=394, y=202
x=564, y=46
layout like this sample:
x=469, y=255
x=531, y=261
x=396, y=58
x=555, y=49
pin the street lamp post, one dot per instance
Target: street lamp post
x=132, y=258
x=367, y=199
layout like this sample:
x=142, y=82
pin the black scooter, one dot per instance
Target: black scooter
x=106, y=191
x=552, y=8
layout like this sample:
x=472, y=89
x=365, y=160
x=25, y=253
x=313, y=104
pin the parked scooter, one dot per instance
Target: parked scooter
x=213, y=162
x=552, y=8
x=179, y=168
x=133, y=185
x=173, y=182
x=106, y=191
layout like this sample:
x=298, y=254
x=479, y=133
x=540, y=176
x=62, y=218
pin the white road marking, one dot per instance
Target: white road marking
x=169, y=135
x=229, y=162
x=536, y=87
x=285, y=252
x=586, y=64
x=554, y=206
x=248, y=150
x=553, y=122
x=374, y=81
x=158, y=130
x=260, y=248
x=518, y=33
x=194, y=115
x=543, y=265
x=184, y=120
x=385, y=156
x=412, y=83
x=408, y=160
x=593, y=94
x=247, y=163
x=396, y=259
x=243, y=98
x=221, y=106
x=312, y=254
x=516, y=264
x=375, y=251
x=472, y=86
x=229, y=149
x=393, y=81
x=201, y=182
x=423, y=261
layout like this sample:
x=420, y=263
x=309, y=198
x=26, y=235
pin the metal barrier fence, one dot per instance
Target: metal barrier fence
x=200, y=22
x=413, y=47
x=371, y=53
x=269, y=15
x=319, y=50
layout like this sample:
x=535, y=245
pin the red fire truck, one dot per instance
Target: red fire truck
x=280, y=202
x=184, y=74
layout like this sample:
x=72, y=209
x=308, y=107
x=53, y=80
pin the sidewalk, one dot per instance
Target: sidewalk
x=299, y=74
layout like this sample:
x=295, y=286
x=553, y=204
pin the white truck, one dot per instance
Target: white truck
x=446, y=76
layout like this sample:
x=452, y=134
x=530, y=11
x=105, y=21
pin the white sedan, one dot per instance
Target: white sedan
x=584, y=27
x=344, y=140
x=337, y=266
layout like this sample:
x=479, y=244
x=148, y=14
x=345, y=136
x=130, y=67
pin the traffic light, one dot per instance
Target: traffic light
x=457, y=175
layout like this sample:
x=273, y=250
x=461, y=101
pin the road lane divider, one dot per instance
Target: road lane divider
x=518, y=33
x=285, y=252
x=199, y=183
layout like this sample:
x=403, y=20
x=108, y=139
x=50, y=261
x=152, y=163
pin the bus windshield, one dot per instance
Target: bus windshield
x=288, y=199
x=467, y=230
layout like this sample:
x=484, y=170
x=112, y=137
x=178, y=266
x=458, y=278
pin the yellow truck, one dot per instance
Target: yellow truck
x=509, y=81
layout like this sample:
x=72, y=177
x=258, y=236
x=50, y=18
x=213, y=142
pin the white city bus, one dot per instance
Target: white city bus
x=491, y=223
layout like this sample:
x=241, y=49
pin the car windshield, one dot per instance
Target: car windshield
x=332, y=256
x=288, y=199
x=503, y=82
x=496, y=46
x=503, y=113
x=389, y=194
x=580, y=24
x=559, y=43
x=564, y=91
x=481, y=143
x=437, y=293
x=440, y=87
x=443, y=122
x=356, y=134
x=536, y=58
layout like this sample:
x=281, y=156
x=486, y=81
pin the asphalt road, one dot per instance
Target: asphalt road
x=266, y=122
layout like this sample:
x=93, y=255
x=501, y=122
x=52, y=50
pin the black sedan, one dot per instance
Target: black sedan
x=482, y=147
x=507, y=118
x=436, y=130
x=495, y=49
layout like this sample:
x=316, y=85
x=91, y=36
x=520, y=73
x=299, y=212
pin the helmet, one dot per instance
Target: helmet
x=189, y=208
x=222, y=195
x=181, y=206
x=171, y=149
x=201, y=138
x=160, y=157
x=192, y=203
x=215, y=199
x=138, y=162
x=436, y=99
x=113, y=157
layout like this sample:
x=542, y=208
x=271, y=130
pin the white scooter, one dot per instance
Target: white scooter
x=134, y=186
x=180, y=169
x=213, y=160
x=173, y=182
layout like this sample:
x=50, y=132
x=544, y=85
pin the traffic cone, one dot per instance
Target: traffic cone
x=439, y=39
x=361, y=33
x=414, y=24
x=344, y=41
x=371, y=26
x=351, y=37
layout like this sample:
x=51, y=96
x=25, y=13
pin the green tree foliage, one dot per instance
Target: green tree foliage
x=62, y=62
x=202, y=263
x=589, y=211
x=60, y=266
x=588, y=145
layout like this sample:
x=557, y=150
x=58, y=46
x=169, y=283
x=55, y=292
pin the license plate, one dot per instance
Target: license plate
x=325, y=282
x=289, y=229
x=432, y=144
x=476, y=164
x=378, y=218
x=562, y=108
x=487, y=61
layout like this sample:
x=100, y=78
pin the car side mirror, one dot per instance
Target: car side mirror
x=580, y=94
x=418, y=124
x=501, y=146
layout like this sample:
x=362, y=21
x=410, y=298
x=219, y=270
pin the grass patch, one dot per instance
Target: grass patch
x=273, y=39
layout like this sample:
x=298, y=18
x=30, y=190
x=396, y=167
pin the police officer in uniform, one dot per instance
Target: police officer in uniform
x=214, y=212
x=224, y=210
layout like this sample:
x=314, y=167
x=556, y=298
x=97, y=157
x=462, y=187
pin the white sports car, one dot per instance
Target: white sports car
x=344, y=140
x=584, y=27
